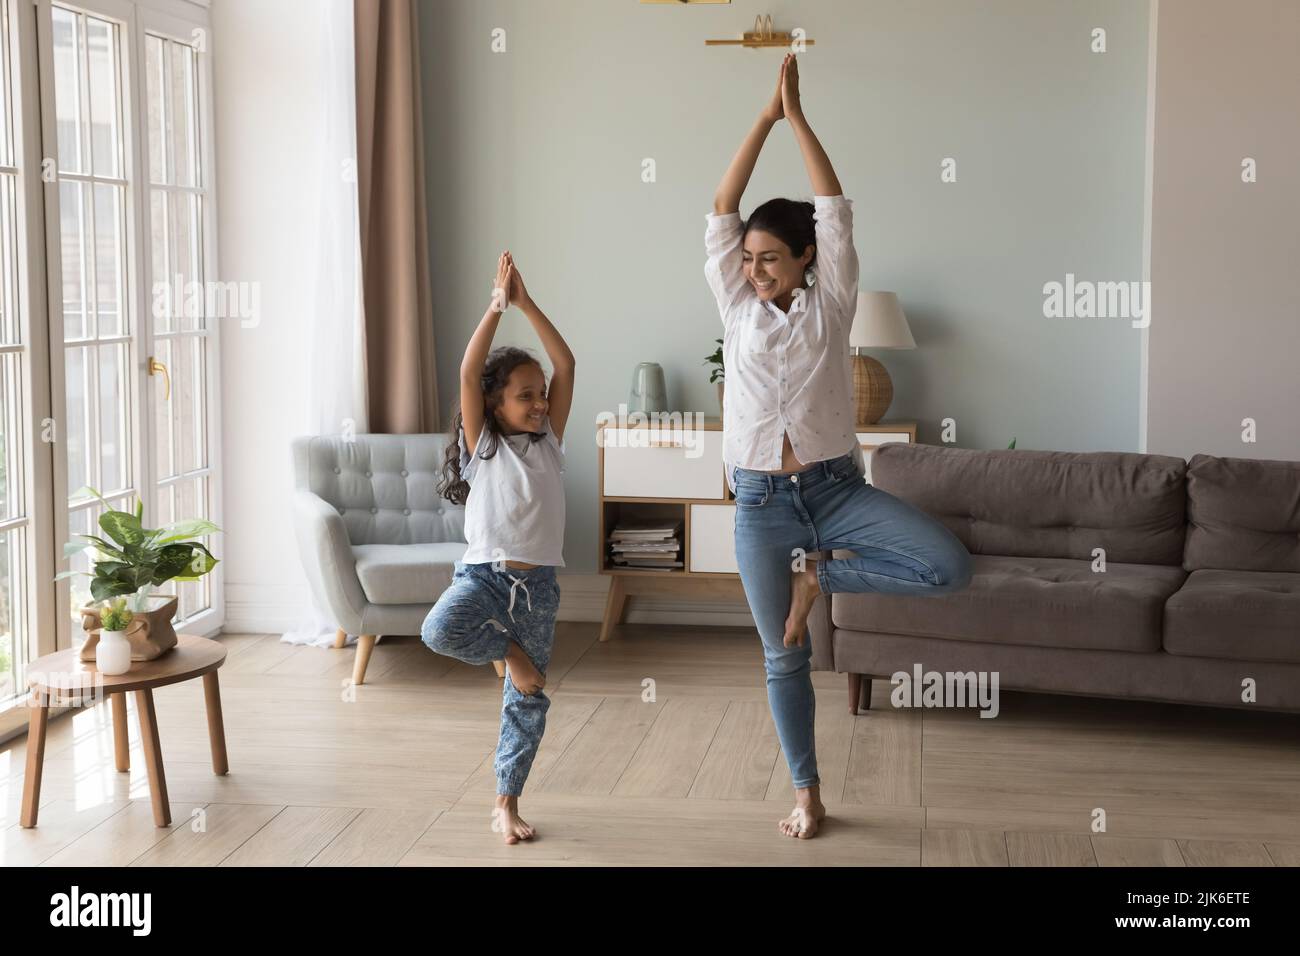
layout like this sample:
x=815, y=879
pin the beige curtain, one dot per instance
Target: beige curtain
x=401, y=377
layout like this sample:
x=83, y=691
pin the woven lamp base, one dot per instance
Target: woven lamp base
x=873, y=390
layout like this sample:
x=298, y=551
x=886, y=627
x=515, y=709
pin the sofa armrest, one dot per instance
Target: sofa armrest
x=327, y=559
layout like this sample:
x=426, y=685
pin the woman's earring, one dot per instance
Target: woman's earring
x=809, y=277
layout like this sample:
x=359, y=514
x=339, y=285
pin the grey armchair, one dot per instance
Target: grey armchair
x=377, y=542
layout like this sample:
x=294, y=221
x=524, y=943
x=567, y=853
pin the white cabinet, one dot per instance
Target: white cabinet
x=663, y=463
x=713, y=534
x=869, y=441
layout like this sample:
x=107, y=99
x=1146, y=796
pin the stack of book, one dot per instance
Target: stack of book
x=648, y=544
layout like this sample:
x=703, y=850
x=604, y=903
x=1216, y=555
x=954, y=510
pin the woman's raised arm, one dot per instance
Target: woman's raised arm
x=734, y=181
x=818, y=164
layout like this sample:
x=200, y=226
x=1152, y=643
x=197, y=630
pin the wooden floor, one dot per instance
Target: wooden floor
x=403, y=774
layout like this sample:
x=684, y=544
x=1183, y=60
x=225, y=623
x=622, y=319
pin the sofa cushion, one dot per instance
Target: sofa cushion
x=1054, y=504
x=1236, y=615
x=1243, y=514
x=406, y=573
x=1044, y=602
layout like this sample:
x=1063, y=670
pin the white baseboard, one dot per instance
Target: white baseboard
x=274, y=609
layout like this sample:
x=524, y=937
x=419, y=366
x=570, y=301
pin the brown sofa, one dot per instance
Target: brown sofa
x=1201, y=588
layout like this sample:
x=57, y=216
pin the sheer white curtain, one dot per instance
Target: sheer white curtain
x=336, y=373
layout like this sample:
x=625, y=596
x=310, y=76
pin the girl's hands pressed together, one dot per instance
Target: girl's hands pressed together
x=501, y=286
x=517, y=291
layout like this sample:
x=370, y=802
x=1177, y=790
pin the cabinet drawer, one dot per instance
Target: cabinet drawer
x=663, y=463
x=713, y=539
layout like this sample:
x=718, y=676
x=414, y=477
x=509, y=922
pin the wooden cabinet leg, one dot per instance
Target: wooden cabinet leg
x=615, y=603
x=121, y=734
x=216, y=726
x=162, y=813
x=365, y=644
x=340, y=639
x=36, y=723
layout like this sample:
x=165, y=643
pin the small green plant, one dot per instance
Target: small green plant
x=716, y=360
x=1013, y=443
x=116, y=617
x=138, y=558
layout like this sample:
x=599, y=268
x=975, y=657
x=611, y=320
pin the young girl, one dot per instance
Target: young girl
x=503, y=597
x=786, y=283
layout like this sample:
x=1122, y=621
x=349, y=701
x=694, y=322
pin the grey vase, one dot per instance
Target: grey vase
x=649, y=393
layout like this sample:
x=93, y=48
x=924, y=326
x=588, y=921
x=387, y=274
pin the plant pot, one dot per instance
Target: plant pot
x=112, y=653
x=150, y=633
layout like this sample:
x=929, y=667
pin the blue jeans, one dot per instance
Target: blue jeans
x=828, y=506
x=474, y=621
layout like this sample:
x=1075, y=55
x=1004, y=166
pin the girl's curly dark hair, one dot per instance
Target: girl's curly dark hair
x=496, y=373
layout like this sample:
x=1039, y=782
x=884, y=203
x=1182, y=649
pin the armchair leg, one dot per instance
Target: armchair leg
x=500, y=668
x=340, y=639
x=365, y=644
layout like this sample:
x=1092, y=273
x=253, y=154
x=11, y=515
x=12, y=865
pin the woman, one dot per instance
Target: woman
x=786, y=282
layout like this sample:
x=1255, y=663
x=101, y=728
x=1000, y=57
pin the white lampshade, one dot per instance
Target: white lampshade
x=880, y=323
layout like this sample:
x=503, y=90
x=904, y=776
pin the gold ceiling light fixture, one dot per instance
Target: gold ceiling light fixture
x=764, y=36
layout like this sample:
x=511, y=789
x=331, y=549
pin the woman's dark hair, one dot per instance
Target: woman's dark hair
x=496, y=373
x=790, y=220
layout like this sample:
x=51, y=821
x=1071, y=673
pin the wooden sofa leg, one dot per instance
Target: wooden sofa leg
x=859, y=693
x=365, y=644
x=500, y=667
x=340, y=639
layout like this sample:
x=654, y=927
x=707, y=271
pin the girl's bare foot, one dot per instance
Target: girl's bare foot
x=804, y=589
x=521, y=672
x=507, y=821
x=807, y=816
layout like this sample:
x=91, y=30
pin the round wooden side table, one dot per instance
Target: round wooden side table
x=63, y=677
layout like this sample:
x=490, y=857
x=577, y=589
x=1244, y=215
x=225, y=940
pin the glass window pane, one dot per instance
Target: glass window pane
x=164, y=418
x=164, y=293
x=74, y=227
x=68, y=112
x=110, y=258
x=114, y=419
x=81, y=521
x=182, y=115
x=10, y=326
x=154, y=74
x=188, y=393
x=78, y=440
x=186, y=272
x=13, y=614
x=11, y=436
x=101, y=39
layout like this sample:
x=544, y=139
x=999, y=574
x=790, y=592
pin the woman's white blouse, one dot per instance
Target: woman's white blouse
x=787, y=373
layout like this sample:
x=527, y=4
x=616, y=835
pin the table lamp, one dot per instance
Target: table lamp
x=879, y=323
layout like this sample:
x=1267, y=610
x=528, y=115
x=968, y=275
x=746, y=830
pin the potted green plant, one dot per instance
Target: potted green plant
x=113, y=652
x=718, y=372
x=132, y=560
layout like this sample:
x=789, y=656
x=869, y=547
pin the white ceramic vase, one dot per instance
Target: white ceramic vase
x=113, y=653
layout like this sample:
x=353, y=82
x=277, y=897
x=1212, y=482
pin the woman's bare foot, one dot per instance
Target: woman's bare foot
x=507, y=821
x=804, y=589
x=807, y=816
x=521, y=672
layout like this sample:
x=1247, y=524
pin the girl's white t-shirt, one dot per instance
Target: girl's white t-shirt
x=515, y=509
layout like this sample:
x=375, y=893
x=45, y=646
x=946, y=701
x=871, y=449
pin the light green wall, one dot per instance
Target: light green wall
x=540, y=149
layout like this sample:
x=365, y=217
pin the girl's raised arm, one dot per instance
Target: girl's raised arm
x=734, y=181
x=559, y=395
x=818, y=164
x=476, y=353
